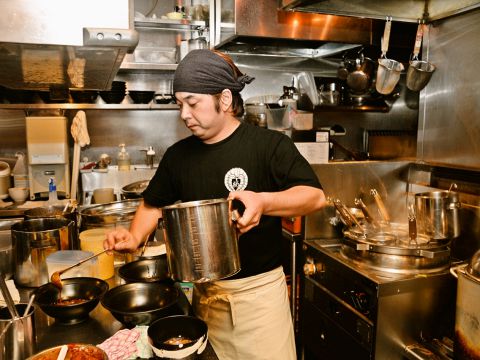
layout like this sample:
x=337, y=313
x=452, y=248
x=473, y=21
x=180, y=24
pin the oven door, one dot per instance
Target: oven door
x=331, y=328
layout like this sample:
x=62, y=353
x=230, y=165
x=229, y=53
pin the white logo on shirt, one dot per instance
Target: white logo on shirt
x=236, y=179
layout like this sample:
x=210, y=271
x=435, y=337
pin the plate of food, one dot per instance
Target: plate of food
x=73, y=352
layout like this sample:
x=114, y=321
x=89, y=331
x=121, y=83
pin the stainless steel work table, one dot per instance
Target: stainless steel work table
x=96, y=329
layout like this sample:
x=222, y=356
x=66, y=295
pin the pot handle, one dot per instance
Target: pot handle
x=454, y=269
x=237, y=208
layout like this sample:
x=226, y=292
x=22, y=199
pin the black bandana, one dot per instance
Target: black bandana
x=204, y=72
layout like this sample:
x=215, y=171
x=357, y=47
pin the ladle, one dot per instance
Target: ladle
x=55, y=278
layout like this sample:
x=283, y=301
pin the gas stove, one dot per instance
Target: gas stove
x=355, y=311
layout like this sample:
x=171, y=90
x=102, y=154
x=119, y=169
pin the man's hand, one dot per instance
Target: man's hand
x=254, y=207
x=122, y=240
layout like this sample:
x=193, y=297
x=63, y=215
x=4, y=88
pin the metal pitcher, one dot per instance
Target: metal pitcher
x=437, y=214
x=201, y=240
x=17, y=336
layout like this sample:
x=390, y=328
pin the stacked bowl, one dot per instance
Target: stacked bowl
x=116, y=94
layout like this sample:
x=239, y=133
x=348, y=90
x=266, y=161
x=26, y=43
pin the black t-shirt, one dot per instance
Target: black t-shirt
x=251, y=158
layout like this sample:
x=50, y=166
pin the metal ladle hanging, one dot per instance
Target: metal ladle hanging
x=419, y=72
x=389, y=70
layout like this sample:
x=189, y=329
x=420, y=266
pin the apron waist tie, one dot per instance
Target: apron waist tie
x=221, y=297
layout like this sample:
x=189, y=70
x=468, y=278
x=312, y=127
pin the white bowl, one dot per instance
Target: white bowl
x=19, y=194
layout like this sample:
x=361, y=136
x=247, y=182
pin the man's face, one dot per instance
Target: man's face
x=200, y=116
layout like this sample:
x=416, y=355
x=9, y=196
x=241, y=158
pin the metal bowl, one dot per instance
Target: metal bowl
x=141, y=303
x=145, y=270
x=92, y=289
x=135, y=190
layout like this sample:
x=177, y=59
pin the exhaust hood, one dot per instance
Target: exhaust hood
x=260, y=28
x=70, y=44
x=407, y=11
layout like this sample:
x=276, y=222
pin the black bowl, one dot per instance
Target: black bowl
x=141, y=303
x=163, y=99
x=141, y=97
x=112, y=97
x=184, y=326
x=84, y=96
x=92, y=289
x=146, y=270
x=15, y=96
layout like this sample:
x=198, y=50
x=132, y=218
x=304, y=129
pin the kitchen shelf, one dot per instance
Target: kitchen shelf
x=90, y=106
x=147, y=66
x=353, y=108
x=170, y=24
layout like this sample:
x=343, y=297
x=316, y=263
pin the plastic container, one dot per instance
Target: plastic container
x=64, y=258
x=123, y=159
x=92, y=240
x=4, y=179
x=20, y=172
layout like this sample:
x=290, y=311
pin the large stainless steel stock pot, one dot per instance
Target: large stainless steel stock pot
x=201, y=240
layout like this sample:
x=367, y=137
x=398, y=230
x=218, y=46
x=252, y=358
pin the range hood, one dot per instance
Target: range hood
x=260, y=28
x=68, y=44
x=399, y=10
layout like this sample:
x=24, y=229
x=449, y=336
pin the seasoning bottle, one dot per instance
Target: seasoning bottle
x=123, y=159
x=52, y=192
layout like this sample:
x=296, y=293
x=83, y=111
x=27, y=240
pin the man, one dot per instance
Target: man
x=248, y=314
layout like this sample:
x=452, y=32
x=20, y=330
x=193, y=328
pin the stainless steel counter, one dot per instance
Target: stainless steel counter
x=96, y=329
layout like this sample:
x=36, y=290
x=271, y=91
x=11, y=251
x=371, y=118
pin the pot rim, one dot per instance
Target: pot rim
x=196, y=203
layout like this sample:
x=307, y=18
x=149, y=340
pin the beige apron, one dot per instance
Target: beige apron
x=248, y=318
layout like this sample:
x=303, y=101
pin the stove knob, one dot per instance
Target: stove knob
x=312, y=268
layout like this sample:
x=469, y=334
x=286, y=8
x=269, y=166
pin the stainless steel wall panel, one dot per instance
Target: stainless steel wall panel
x=449, y=120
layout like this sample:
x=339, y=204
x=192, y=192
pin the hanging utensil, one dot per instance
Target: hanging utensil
x=381, y=206
x=419, y=72
x=389, y=70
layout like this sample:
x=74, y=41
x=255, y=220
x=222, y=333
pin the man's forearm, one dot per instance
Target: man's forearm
x=144, y=222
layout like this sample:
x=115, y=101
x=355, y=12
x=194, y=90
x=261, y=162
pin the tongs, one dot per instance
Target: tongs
x=412, y=225
x=366, y=212
x=381, y=206
x=347, y=217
